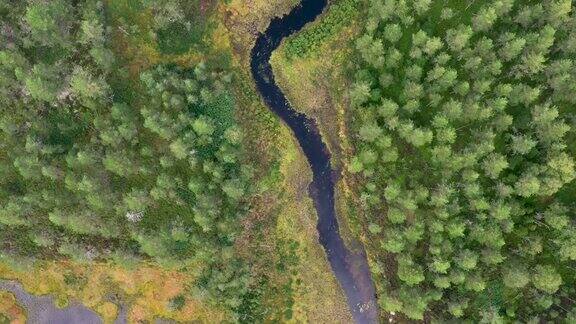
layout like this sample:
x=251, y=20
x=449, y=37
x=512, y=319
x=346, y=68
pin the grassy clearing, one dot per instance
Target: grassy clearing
x=309, y=40
x=141, y=47
x=306, y=83
x=281, y=240
x=316, y=83
x=146, y=290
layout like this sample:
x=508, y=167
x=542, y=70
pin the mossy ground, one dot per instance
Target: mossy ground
x=146, y=290
x=10, y=311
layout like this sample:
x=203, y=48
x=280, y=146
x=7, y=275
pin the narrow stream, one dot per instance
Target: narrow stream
x=350, y=267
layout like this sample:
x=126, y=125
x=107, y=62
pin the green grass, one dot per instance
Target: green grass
x=180, y=37
x=177, y=39
x=309, y=40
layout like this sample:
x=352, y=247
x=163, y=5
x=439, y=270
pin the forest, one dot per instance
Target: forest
x=463, y=122
x=98, y=164
x=143, y=170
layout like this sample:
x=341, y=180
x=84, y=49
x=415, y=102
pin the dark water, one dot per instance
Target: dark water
x=350, y=267
x=41, y=309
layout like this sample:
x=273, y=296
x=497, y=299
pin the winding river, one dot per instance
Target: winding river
x=350, y=267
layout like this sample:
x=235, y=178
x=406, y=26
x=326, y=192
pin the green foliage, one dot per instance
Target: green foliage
x=309, y=40
x=547, y=279
x=4, y=319
x=49, y=22
x=177, y=303
x=97, y=167
x=179, y=25
x=178, y=38
x=464, y=135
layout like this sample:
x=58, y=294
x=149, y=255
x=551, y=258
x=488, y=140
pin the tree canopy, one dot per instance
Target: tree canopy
x=464, y=135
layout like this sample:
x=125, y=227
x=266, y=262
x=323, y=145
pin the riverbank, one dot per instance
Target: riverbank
x=10, y=310
x=349, y=265
x=42, y=309
x=283, y=216
x=317, y=301
x=316, y=85
x=145, y=290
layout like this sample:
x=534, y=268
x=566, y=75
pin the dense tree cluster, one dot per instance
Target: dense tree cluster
x=96, y=166
x=309, y=40
x=464, y=122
